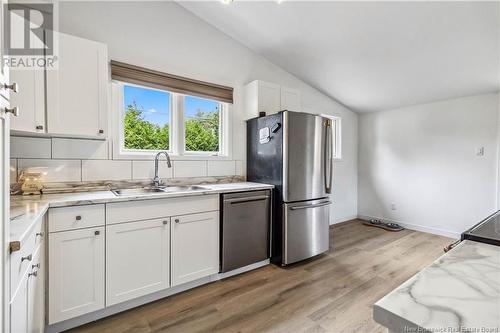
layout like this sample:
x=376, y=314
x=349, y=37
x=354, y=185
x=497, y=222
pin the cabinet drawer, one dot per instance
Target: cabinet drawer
x=76, y=217
x=21, y=260
x=158, y=208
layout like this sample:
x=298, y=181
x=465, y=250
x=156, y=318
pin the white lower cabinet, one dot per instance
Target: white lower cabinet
x=137, y=259
x=195, y=246
x=100, y=256
x=27, y=307
x=76, y=273
x=36, y=293
x=19, y=308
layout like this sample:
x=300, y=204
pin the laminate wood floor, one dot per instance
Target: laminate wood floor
x=332, y=293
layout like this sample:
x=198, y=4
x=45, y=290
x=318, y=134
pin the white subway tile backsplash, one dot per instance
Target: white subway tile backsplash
x=146, y=169
x=106, y=170
x=13, y=170
x=79, y=149
x=221, y=168
x=239, y=171
x=190, y=169
x=54, y=170
x=24, y=147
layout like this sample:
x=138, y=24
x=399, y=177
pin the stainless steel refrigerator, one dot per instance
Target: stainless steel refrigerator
x=293, y=151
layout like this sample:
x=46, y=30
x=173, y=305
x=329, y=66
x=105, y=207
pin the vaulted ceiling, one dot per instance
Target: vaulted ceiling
x=371, y=56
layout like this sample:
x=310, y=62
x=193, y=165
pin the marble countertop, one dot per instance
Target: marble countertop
x=459, y=292
x=26, y=210
x=23, y=217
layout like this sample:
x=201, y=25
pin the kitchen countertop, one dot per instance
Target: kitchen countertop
x=26, y=210
x=459, y=292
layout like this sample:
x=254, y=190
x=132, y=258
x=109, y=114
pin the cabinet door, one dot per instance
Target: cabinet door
x=290, y=99
x=137, y=259
x=195, y=246
x=76, y=273
x=4, y=70
x=36, y=293
x=269, y=96
x=30, y=99
x=19, y=308
x=77, y=90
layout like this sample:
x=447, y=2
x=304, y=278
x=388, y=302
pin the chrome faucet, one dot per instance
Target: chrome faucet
x=156, y=179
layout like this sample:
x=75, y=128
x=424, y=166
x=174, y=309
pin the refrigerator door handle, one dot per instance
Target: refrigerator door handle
x=328, y=158
x=320, y=204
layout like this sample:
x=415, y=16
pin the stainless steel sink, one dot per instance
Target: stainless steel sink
x=137, y=191
x=152, y=190
x=183, y=188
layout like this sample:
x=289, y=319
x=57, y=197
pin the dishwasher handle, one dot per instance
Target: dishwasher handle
x=247, y=199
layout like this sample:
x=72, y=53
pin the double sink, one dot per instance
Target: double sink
x=154, y=189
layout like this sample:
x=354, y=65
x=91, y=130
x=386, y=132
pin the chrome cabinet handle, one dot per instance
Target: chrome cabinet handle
x=165, y=222
x=78, y=218
x=29, y=257
x=176, y=220
x=14, y=110
x=320, y=204
x=35, y=266
x=97, y=232
x=35, y=274
x=39, y=234
x=13, y=86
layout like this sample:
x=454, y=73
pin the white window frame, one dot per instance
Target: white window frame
x=337, y=135
x=177, y=130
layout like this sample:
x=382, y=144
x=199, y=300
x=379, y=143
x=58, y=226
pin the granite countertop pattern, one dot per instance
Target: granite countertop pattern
x=26, y=210
x=459, y=292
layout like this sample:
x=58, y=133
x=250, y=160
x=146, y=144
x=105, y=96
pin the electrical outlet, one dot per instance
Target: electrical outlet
x=393, y=206
x=480, y=151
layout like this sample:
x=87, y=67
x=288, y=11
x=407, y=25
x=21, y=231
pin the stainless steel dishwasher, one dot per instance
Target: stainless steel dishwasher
x=245, y=227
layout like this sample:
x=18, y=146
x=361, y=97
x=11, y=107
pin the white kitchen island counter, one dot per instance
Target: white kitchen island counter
x=459, y=292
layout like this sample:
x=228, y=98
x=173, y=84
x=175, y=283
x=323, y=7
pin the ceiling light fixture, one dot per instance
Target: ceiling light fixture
x=226, y=2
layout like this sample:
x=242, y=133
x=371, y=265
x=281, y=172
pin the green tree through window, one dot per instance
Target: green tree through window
x=202, y=131
x=142, y=134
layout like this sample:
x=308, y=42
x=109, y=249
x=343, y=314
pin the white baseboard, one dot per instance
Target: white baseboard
x=114, y=309
x=344, y=219
x=416, y=227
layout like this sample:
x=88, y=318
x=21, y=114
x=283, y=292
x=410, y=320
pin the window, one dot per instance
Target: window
x=336, y=135
x=151, y=120
x=146, y=119
x=201, y=124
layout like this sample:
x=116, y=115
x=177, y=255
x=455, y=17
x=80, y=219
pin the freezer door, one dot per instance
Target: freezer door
x=305, y=157
x=305, y=229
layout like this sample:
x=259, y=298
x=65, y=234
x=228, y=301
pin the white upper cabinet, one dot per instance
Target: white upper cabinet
x=270, y=98
x=30, y=100
x=290, y=99
x=76, y=273
x=77, y=91
x=195, y=246
x=137, y=259
x=4, y=70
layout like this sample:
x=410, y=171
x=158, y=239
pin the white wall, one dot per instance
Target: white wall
x=166, y=37
x=423, y=159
